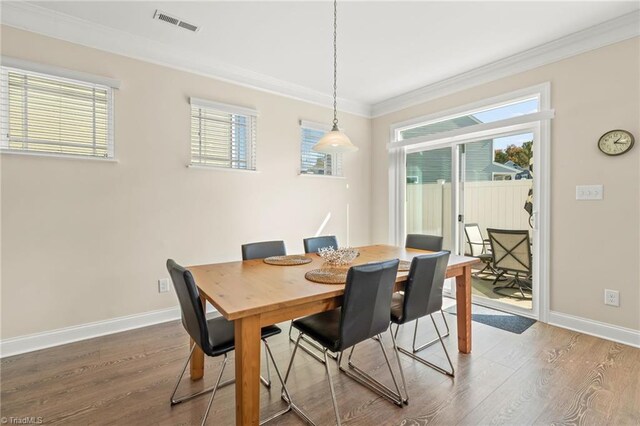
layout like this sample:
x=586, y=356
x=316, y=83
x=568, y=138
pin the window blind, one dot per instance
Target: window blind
x=316, y=163
x=45, y=114
x=221, y=137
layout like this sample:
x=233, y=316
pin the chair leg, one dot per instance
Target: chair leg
x=369, y=382
x=333, y=392
x=412, y=355
x=266, y=382
x=431, y=342
x=213, y=394
x=285, y=391
x=285, y=395
x=175, y=400
x=404, y=382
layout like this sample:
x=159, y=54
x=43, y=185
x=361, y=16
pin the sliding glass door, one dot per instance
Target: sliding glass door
x=496, y=218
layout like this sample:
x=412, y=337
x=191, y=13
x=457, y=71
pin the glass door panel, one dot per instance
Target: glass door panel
x=428, y=194
x=496, y=191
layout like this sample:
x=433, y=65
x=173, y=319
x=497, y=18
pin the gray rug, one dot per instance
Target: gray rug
x=498, y=319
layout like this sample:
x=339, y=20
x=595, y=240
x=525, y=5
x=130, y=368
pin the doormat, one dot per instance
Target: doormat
x=498, y=319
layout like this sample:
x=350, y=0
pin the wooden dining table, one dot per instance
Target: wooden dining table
x=254, y=294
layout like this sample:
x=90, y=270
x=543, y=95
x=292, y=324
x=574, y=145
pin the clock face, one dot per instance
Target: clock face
x=616, y=142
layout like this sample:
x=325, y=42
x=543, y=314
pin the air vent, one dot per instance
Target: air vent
x=161, y=16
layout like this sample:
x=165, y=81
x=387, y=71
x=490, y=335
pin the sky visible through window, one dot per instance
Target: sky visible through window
x=514, y=110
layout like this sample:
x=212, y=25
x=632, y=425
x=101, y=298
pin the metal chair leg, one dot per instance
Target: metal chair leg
x=427, y=363
x=333, y=392
x=213, y=394
x=369, y=382
x=285, y=395
x=431, y=342
x=404, y=382
x=267, y=381
x=175, y=401
x=285, y=391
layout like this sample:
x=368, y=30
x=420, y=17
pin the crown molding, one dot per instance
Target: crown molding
x=615, y=30
x=38, y=19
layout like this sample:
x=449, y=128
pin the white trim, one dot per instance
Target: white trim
x=311, y=175
x=83, y=77
x=220, y=169
x=219, y=106
x=476, y=130
x=599, y=329
x=615, y=30
x=4, y=151
x=503, y=307
x=38, y=19
x=61, y=336
x=314, y=125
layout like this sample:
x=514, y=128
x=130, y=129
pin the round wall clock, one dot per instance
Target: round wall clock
x=616, y=142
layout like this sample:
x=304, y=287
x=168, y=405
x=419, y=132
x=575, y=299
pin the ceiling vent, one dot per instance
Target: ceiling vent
x=165, y=17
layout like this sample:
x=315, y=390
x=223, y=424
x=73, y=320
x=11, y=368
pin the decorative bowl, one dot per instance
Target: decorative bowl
x=338, y=257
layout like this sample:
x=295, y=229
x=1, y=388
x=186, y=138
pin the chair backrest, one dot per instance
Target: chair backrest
x=312, y=245
x=194, y=319
x=424, y=242
x=511, y=249
x=263, y=249
x=366, y=302
x=423, y=289
x=474, y=239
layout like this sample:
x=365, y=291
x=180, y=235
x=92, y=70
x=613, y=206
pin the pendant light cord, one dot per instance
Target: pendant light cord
x=335, y=64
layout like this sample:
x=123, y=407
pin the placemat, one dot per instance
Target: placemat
x=290, y=260
x=328, y=275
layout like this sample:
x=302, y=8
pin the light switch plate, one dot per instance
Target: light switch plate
x=589, y=192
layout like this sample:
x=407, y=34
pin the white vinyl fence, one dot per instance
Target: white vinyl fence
x=490, y=204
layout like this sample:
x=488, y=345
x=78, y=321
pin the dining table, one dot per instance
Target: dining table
x=254, y=294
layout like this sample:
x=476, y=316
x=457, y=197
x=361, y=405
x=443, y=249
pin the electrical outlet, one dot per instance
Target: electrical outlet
x=611, y=297
x=163, y=285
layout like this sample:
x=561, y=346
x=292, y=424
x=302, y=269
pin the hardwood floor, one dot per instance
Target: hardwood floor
x=546, y=375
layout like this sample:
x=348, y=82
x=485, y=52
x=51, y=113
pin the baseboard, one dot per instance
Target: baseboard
x=603, y=330
x=33, y=342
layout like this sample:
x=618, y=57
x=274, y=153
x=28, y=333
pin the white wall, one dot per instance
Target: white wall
x=594, y=245
x=86, y=241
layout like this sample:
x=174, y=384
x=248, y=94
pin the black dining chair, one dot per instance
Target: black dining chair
x=422, y=296
x=431, y=243
x=262, y=250
x=313, y=244
x=364, y=314
x=213, y=334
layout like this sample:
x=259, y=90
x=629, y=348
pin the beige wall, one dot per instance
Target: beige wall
x=594, y=245
x=85, y=240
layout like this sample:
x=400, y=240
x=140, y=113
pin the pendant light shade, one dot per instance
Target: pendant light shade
x=335, y=141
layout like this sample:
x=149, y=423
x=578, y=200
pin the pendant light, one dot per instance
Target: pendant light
x=335, y=141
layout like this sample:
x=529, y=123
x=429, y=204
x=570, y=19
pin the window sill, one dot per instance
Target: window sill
x=61, y=156
x=220, y=169
x=308, y=175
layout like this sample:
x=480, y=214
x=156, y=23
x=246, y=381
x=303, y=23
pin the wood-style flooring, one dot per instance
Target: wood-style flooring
x=545, y=376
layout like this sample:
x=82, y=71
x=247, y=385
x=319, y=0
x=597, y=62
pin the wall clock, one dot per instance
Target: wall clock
x=616, y=142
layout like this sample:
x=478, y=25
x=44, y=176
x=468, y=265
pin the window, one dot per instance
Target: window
x=222, y=135
x=484, y=115
x=46, y=114
x=316, y=163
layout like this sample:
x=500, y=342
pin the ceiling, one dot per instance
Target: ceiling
x=384, y=48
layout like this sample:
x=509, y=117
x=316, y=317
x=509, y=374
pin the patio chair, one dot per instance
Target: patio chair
x=479, y=247
x=511, y=255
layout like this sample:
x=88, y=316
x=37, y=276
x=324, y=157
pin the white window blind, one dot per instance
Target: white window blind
x=44, y=114
x=312, y=162
x=222, y=135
